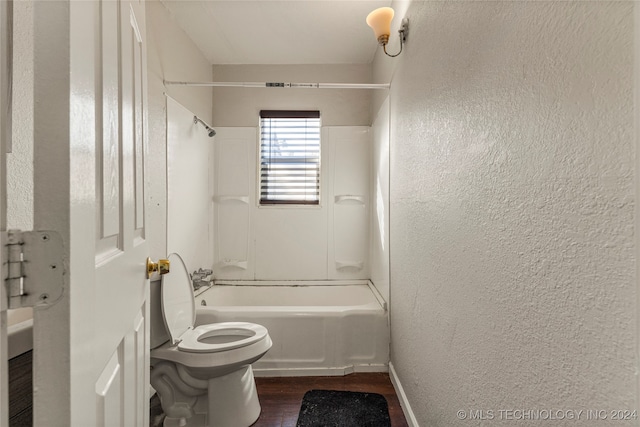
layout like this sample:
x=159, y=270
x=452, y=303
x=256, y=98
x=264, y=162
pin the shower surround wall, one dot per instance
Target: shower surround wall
x=325, y=242
x=288, y=243
x=379, y=238
x=189, y=207
x=513, y=278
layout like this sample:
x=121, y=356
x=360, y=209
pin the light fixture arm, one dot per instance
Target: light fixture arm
x=402, y=32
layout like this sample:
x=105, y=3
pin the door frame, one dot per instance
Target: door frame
x=6, y=44
x=52, y=397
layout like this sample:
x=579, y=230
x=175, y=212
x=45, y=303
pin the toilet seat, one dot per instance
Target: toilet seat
x=179, y=313
x=240, y=333
x=177, y=300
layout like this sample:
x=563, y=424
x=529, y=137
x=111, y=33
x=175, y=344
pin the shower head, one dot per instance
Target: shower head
x=210, y=131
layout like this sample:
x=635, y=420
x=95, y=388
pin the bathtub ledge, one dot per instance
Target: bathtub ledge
x=377, y=294
x=20, y=337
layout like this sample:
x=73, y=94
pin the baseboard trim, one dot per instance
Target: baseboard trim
x=402, y=397
x=318, y=372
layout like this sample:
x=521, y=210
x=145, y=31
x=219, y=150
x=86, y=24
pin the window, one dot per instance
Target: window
x=289, y=157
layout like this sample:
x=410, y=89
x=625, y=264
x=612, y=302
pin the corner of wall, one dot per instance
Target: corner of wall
x=171, y=55
x=636, y=116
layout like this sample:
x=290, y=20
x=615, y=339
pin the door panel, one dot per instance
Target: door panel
x=121, y=285
x=139, y=125
x=109, y=155
x=119, y=387
x=108, y=393
x=90, y=76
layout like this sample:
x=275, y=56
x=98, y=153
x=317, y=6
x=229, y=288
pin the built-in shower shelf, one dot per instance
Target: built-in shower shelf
x=228, y=263
x=349, y=199
x=349, y=265
x=231, y=199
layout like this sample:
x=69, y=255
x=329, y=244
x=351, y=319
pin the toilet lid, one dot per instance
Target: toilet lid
x=178, y=302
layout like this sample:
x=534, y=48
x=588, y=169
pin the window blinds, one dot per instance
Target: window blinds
x=289, y=157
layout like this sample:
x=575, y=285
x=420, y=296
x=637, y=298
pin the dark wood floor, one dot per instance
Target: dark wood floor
x=280, y=398
x=21, y=391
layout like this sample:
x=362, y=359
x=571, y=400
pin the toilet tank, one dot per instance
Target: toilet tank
x=159, y=333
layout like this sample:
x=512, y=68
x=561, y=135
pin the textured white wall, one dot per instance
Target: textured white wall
x=20, y=160
x=512, y=210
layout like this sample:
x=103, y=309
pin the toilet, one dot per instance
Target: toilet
x=203, y=374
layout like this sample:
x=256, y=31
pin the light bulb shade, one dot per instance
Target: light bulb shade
x=380, y=21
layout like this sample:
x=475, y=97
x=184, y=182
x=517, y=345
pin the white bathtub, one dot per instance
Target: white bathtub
x=316, y=328
x=19, y=331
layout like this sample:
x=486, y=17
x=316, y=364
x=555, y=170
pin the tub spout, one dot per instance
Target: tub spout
x=197, y=284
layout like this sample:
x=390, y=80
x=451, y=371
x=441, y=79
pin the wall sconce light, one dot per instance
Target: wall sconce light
x=380, y=21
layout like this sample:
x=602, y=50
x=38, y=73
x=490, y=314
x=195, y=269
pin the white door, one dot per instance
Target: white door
x=91, y=352
x=5, y=117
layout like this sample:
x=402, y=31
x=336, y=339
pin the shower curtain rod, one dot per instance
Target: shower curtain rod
x=281, y=84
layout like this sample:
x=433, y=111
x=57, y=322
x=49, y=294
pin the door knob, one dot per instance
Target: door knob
x=162, y=267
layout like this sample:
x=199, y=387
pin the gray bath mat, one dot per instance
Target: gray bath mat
x=328, y=408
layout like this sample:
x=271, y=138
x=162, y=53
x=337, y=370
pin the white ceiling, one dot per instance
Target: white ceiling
x=279, y=31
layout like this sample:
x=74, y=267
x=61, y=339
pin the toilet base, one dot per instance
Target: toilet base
x=232, y=402
x=198, y=420
x=233, y=399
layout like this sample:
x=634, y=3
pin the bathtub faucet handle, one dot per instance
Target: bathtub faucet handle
x=198, y=278
x=205, y=272
x=201, y=274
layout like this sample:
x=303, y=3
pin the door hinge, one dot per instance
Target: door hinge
x=33, y=267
